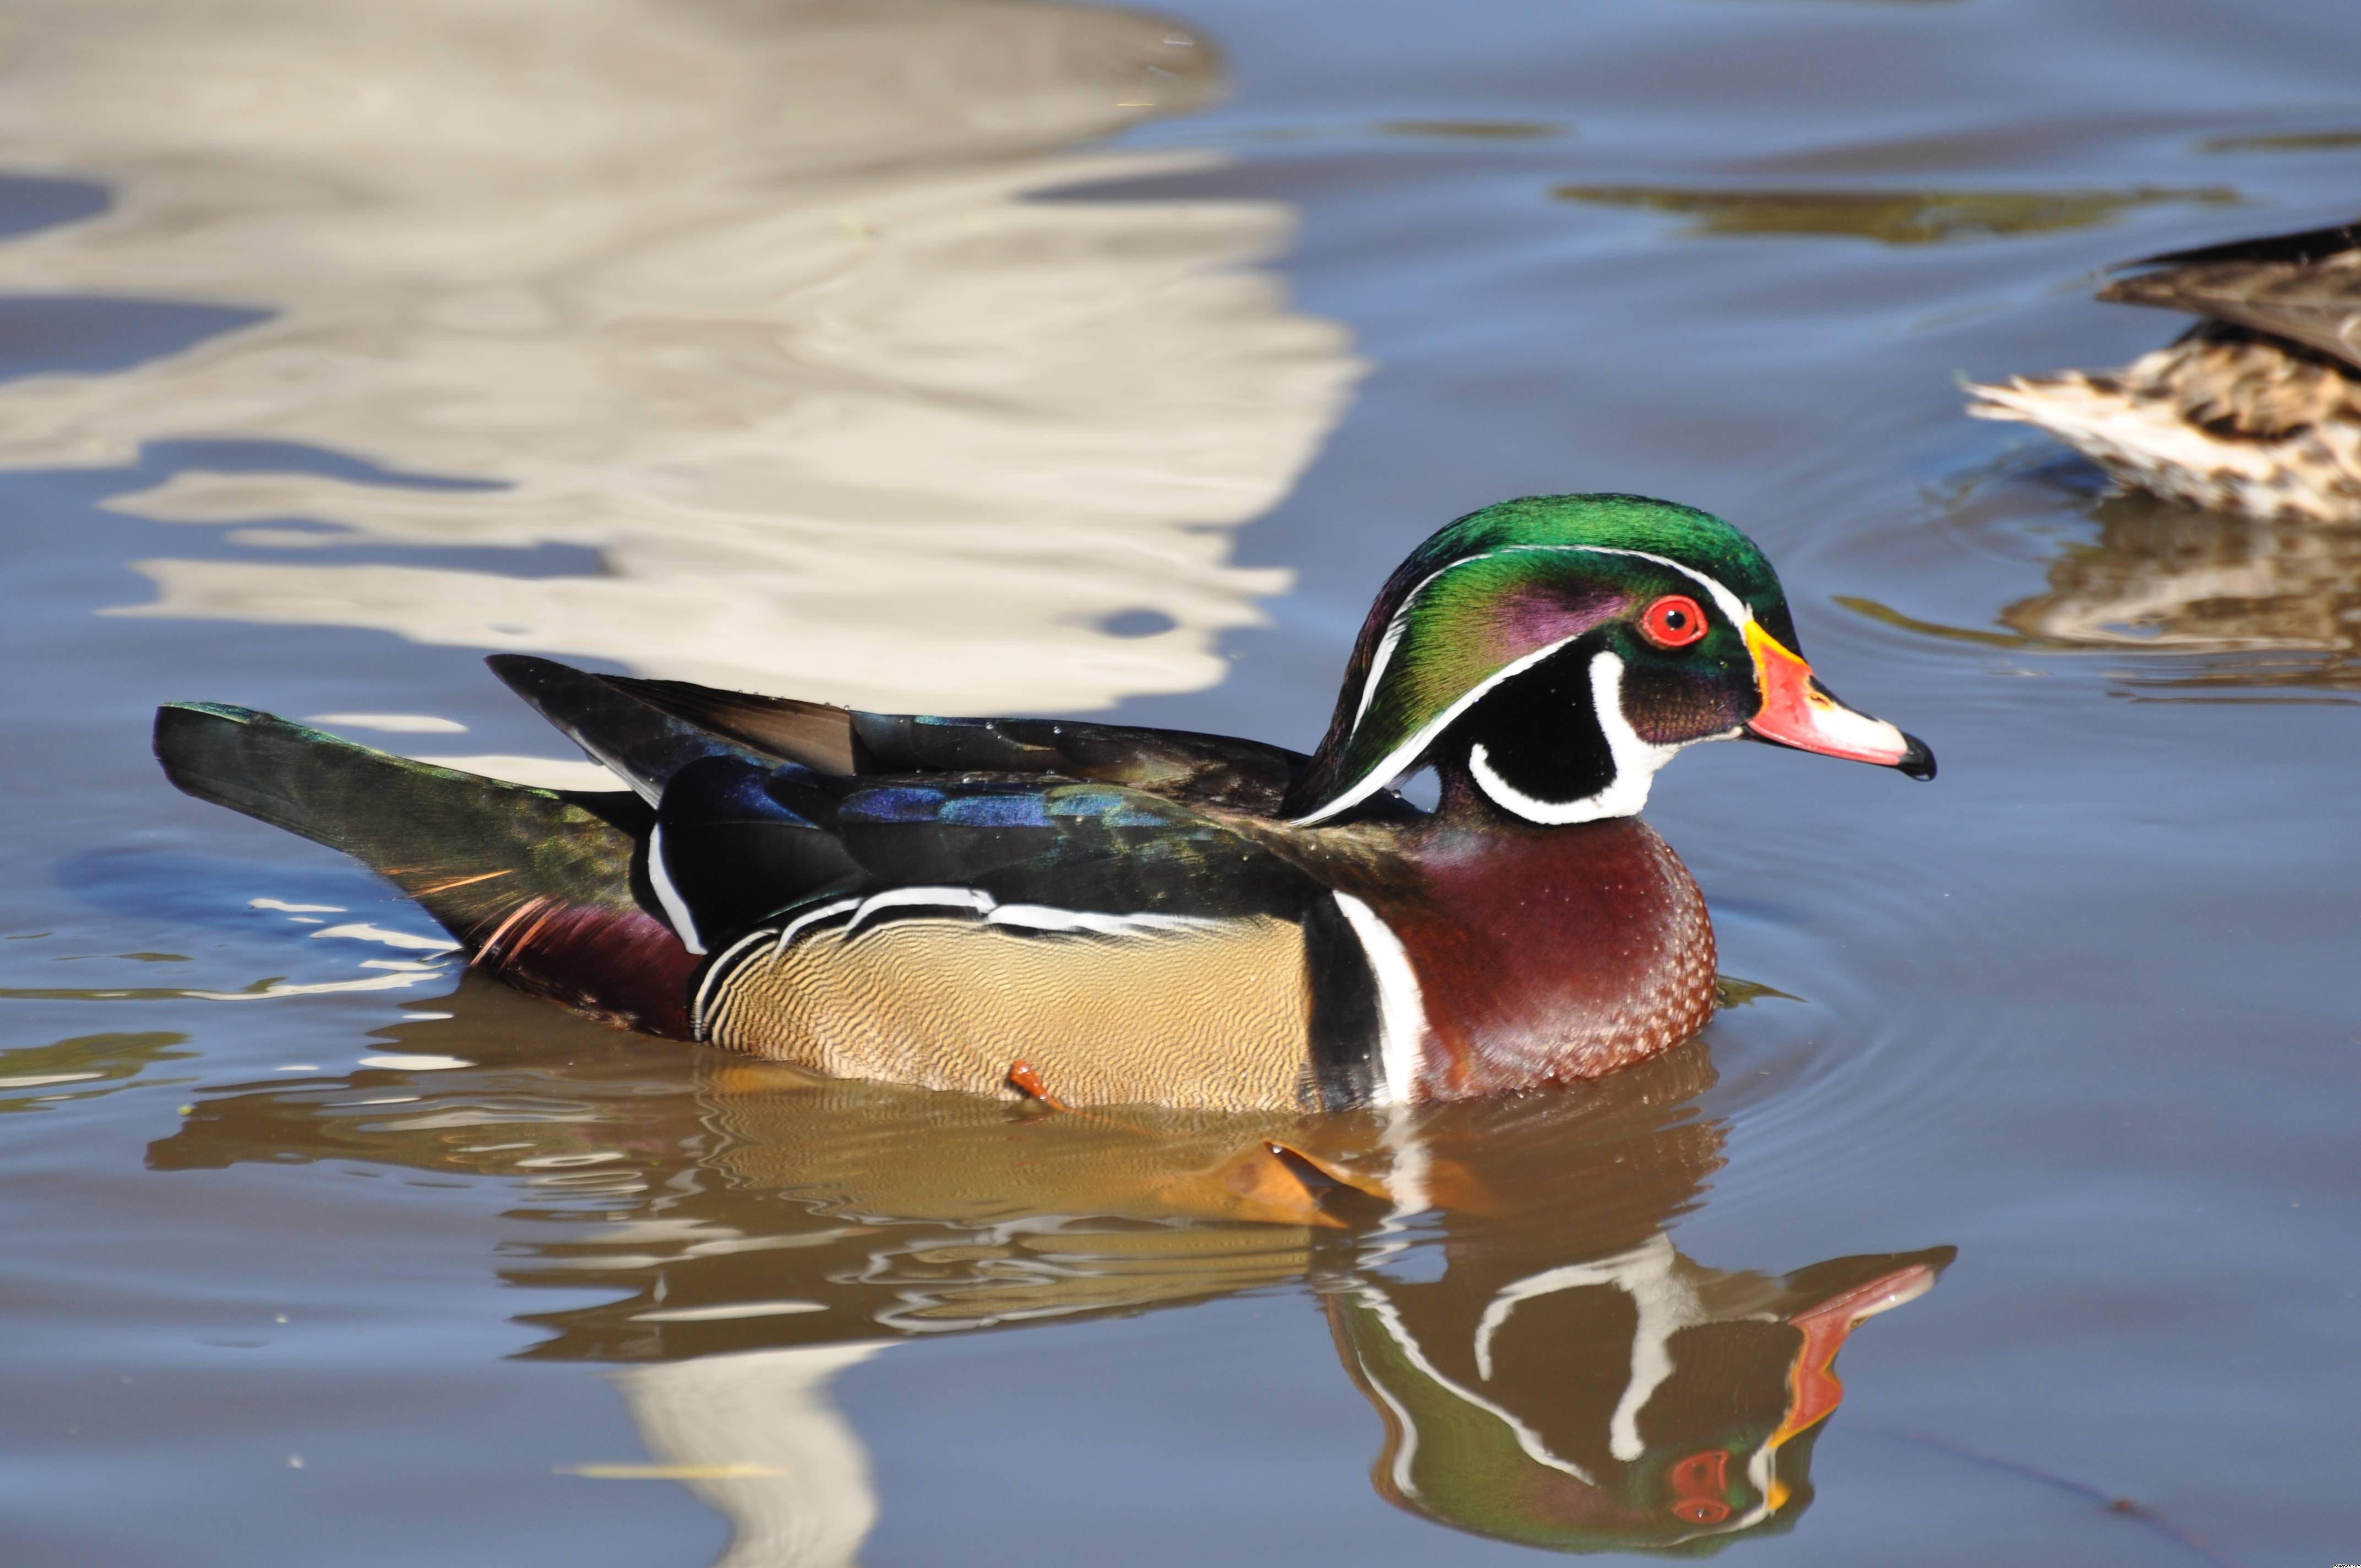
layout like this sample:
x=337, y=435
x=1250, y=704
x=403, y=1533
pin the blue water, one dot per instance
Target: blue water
x=2081, y=1009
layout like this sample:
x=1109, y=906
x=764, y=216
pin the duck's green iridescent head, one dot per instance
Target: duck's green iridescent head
x=1559, y=649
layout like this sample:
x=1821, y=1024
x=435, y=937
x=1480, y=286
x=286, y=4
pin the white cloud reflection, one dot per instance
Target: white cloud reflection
x=752, y=299
x=758, y=1436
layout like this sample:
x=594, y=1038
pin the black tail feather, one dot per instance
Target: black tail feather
x=818, y=735
x=640, y=739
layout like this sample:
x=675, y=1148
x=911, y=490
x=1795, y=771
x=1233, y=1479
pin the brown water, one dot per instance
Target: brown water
x=984, y=358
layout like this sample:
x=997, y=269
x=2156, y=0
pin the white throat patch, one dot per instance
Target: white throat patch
x=1636, y=762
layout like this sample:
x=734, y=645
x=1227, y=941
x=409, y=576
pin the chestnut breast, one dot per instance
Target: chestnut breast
x=1545, y=954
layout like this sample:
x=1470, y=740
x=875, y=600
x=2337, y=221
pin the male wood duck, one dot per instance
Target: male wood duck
x=1091, y=913
x=2255, y=409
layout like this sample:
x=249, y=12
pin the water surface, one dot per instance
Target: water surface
x=1012, y=356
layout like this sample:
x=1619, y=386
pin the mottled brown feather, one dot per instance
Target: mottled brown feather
x=2256, y=410
x=2316, y=304
x=2223, y=419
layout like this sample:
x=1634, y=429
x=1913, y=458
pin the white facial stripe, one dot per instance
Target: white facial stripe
x=676, y=908
x=1636, y=762
x=1394, y=629
x=1402, y=757
x=1402, y=1005
x=1396, y=761
x=1527, y=1438
x=1729, y=604
x=1385, y=656
x=1665, y=1305
x=1406, y=1450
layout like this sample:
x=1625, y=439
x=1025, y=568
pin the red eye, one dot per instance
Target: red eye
x=1672, y=621
x=1697, y=1479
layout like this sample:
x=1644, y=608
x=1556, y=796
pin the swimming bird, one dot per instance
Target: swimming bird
x=1093, y=914
x=2255, y=409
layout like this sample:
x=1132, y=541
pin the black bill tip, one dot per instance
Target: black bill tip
x=1916, y=759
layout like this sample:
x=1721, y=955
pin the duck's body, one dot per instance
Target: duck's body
x=1094, y=914
x=2256, y=409
x=1432, y=964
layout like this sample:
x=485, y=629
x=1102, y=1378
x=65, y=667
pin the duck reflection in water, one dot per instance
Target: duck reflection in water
x=1548, y=1366
x=1637, y=1400
x=2208, y=599
x=2282, y=595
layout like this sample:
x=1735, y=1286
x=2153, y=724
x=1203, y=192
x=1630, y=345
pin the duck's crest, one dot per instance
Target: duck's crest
x=1493, y=592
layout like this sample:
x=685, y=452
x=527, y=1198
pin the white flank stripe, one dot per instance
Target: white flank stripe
x=676, y=908
x=1044, y=917
x=1402, y=1007
x=714, y=972
x=969, y=898
x=962, y=900
x=797, y=927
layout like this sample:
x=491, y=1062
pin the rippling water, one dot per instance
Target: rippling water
x=1011, y=356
